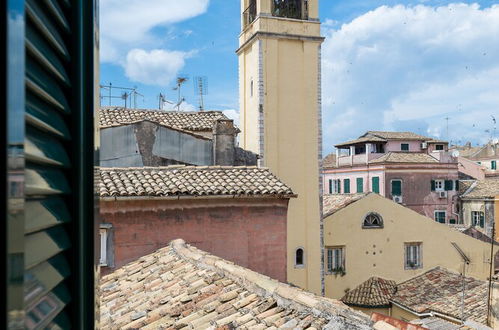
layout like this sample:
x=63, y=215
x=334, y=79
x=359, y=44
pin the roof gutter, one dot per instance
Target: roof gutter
x=428, y=314
x=187, y=197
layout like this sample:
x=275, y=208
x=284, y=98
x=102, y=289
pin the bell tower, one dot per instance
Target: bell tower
x=280, y=108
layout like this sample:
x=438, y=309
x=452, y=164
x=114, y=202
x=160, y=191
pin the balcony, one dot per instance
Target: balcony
x=249, y=14
x=296, y=9
x=360, y=159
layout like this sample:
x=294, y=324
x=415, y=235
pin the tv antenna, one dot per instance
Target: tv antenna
x=180, y=81
x=125, y=92
x=162, y=101
x=447, y=119
x=201, y=89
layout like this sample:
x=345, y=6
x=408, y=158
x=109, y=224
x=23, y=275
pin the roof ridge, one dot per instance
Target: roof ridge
x=113, y=108
x=261, y=284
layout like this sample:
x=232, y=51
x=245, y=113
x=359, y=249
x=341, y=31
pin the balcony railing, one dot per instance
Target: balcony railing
x=297, y=9
x=249, y=15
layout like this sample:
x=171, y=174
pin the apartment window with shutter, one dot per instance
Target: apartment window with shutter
x=413, y=256
x=299, y=257
x=360, y=185
x=103, y=246
x=404, y=146
x=330, y=186
x=478, y=218
x=346, y=186
x=493, y=165
x=335, y=259
x=440, y=216
x=437, y=185
x=396, y=187
x=335, y=186
x=375, y=184
x=439, y=147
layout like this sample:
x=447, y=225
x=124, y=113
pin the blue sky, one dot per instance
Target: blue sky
x=387, y=65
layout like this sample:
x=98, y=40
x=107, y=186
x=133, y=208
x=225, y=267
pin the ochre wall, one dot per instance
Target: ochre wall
x=249, y=232
x=290, y=76
x=380, y=252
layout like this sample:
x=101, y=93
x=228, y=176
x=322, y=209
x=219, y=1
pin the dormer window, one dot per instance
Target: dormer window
x=372, y=220
x=297, y=9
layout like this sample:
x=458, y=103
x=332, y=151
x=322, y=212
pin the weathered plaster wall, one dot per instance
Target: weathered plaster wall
x=250, y=232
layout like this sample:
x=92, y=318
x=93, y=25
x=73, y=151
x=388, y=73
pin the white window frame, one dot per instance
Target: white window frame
x=104, y=231
x=415, y=253
x=439, y=185
x=335, y=259
x=476, y=222
x=440, y=211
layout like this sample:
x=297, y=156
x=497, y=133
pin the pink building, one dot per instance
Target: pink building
x=413, y=170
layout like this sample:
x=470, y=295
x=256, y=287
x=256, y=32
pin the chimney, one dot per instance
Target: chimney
x=224, y=139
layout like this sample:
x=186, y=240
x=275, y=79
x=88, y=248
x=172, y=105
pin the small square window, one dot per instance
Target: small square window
x=439, y=185
x=404, y=146
x=335, y=260
x=413, y=257
x=478, y=218
x=439, y=147
x=440, y=216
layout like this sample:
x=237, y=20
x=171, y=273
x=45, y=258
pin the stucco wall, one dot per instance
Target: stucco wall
x=380, y=252
x=487, y=207
x=414, y=146
x=249, y=232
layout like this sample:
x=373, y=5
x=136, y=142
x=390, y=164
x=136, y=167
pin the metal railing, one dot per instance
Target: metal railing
x=249, y=14
x=297, y=9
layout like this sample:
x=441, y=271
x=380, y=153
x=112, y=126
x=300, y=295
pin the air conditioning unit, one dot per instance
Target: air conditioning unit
x=442, y=194
x=424, y=145
x=397, y=199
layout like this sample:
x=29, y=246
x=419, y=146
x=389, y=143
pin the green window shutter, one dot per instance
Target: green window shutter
x=360, y=185
x=457, y=185
x=432, y=185
x=396, y=188
x=493, y=164
x=375, y=184
x=482, y=220
x=346, y=186
x=448, y=185
x=330, y=186
x=339, y=186
x=404, y=147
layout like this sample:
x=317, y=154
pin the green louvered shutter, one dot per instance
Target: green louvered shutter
x=433, y=185
x=375, y=184
x=54, y=189
x=448, y=185
x=346, y=186
x=360, y=185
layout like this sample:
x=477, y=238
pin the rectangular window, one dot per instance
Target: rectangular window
x=493, y=165
x=404, y=146
x=375, y=184
x=457, y=185
x=396, y=187
x=440, y=216
x=437, y=185
x=413, y=258
x=103, y=246
x=346, y=184
x=449, y=185
x=439, y=147
x=335, y=259
x=335, y=186
x=330, y=186
x=360, y=185
x=478, y=218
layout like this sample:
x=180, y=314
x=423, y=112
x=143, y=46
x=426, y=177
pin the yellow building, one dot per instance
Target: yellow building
x=368, y=235
x=280, y=107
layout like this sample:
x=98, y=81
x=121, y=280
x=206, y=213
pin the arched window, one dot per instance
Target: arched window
x=372, y=220
x=299, y=257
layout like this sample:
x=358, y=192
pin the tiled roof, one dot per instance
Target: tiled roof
x=488, y=188
x=464, y=185
x=179, y=180
x=375, y=292
x=439, y=290
x=405, y=157
x=329, y=161
x=398, y=135
x=189, y=121
x=180, y=286
x=436, y=323
x=467, y=151
x=335, y=202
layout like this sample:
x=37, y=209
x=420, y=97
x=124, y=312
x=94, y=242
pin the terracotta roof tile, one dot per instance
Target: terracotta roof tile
x=189, y=121
x=329, y=161
x=196, y=290
x=405, y=157
x=439, y=290
x=190, y=181
x=488, y=188
x=398, y=135
x=375, y=292
x=334, y=202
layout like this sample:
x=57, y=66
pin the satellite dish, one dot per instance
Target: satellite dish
x=455, y=153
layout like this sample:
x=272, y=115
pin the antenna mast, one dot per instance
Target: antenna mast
x=180, y=81
x=201, y=89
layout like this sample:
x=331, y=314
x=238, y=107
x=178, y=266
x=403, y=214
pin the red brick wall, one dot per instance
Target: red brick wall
x=250, y=232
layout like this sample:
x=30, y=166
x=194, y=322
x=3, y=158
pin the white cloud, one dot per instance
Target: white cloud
x=155, y=67
x=127, y=24
x=410, y=67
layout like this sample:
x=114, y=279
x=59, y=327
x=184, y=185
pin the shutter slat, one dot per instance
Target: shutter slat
x=45, y=277
x=44, y=86
x=44, y=117
x=43, y=245
x=45, y=26
x=41, y=148
x=45, y=55
x=57, y=13
x=44, y=181
x=45, y=213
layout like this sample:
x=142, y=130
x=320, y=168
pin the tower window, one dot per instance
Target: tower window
x=299, y=257
x=251, y=88
x=297, y=9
